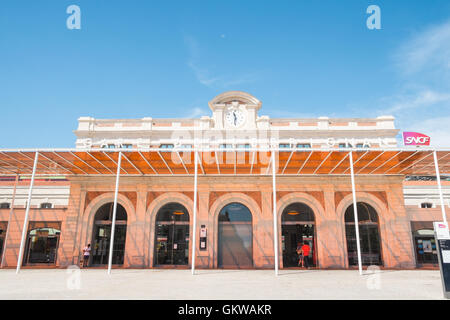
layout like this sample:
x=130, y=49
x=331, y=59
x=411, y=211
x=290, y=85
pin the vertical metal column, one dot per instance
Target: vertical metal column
x=355, y=214
x=438, y=178
x=113, y=226
x=9, y=219
x=275, y=229
x=27, y=212
x=194, y=225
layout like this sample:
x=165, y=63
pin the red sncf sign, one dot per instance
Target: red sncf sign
x=415, y=139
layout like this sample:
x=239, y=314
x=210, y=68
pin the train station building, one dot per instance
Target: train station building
x=233, y=189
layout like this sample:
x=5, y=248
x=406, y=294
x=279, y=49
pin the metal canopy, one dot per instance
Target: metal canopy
x=169, y=162
x=226, y=162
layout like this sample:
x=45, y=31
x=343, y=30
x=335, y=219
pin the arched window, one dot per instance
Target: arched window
x=235, y=237
x=297, y=212
x=172, y=235
x=102, y=235
x=297, y=228
x=369, y=235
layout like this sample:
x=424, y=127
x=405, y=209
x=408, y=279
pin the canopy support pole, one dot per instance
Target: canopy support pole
x=27, y=212
x=438, y=178
x=275, y=231
x=194, y=225
x=9, y=219
x=355, y=213
x=113, y=226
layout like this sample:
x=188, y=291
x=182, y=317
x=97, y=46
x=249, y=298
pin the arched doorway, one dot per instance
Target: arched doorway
x=369, y=235
x=235, y=237
x=172, y=235
x=102, y=235
x=297, y=226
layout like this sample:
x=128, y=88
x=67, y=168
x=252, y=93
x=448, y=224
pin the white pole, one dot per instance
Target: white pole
x=436, y=166
x=9, y=219
x=355, y=214
x=194, y=225
x=275, y=231
x=27, y=212
x=113, y=226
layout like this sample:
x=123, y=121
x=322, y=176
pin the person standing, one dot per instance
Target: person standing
x=306, y=249
x=86, y=254
x=300, y=254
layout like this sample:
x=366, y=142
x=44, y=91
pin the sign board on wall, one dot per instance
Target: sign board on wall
x=441, y=230
x=415, y=139
x=203, y=237
x=441, y=233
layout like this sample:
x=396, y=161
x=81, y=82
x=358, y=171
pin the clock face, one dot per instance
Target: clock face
x=235, y=118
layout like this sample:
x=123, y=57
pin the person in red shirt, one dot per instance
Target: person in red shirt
x=305, y=250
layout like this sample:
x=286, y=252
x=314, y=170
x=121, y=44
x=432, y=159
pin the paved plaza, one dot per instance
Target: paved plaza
x=219, y=284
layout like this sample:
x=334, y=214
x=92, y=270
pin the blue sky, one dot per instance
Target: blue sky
x=134, y=59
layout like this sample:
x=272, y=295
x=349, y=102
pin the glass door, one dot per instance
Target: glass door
x=291, y=235
x=100, y=247
x=235, y=245
x=3, y=226
x=172, y=243
x=369, y=241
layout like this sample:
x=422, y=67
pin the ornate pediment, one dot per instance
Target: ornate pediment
x=235, y=98
x=235, y=110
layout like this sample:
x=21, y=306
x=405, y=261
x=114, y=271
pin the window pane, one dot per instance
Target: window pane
x=297, y=212
x=235, y=212
x=172, y=212
x=5, y=205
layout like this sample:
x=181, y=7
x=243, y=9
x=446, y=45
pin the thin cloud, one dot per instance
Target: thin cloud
x=426, y=51
x=423, y=99
x=205, y=76
x=202, y=75
x=196, y=112
x=422, y=63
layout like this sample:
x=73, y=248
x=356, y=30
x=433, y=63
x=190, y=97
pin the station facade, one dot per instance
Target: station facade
x=154, y=225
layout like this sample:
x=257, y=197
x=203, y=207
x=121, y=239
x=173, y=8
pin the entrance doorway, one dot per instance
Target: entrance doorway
x=102, y=235
x=42, y=243
x=235, y=237
x=424, y=243
x=297, y=226
x=3, y=226
x=172, y=235
x=369, y=235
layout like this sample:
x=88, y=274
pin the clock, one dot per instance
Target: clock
x=235, y=117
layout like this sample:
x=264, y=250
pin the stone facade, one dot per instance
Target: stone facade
x=142, y=197
x=219, y=128
x=75, y=200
